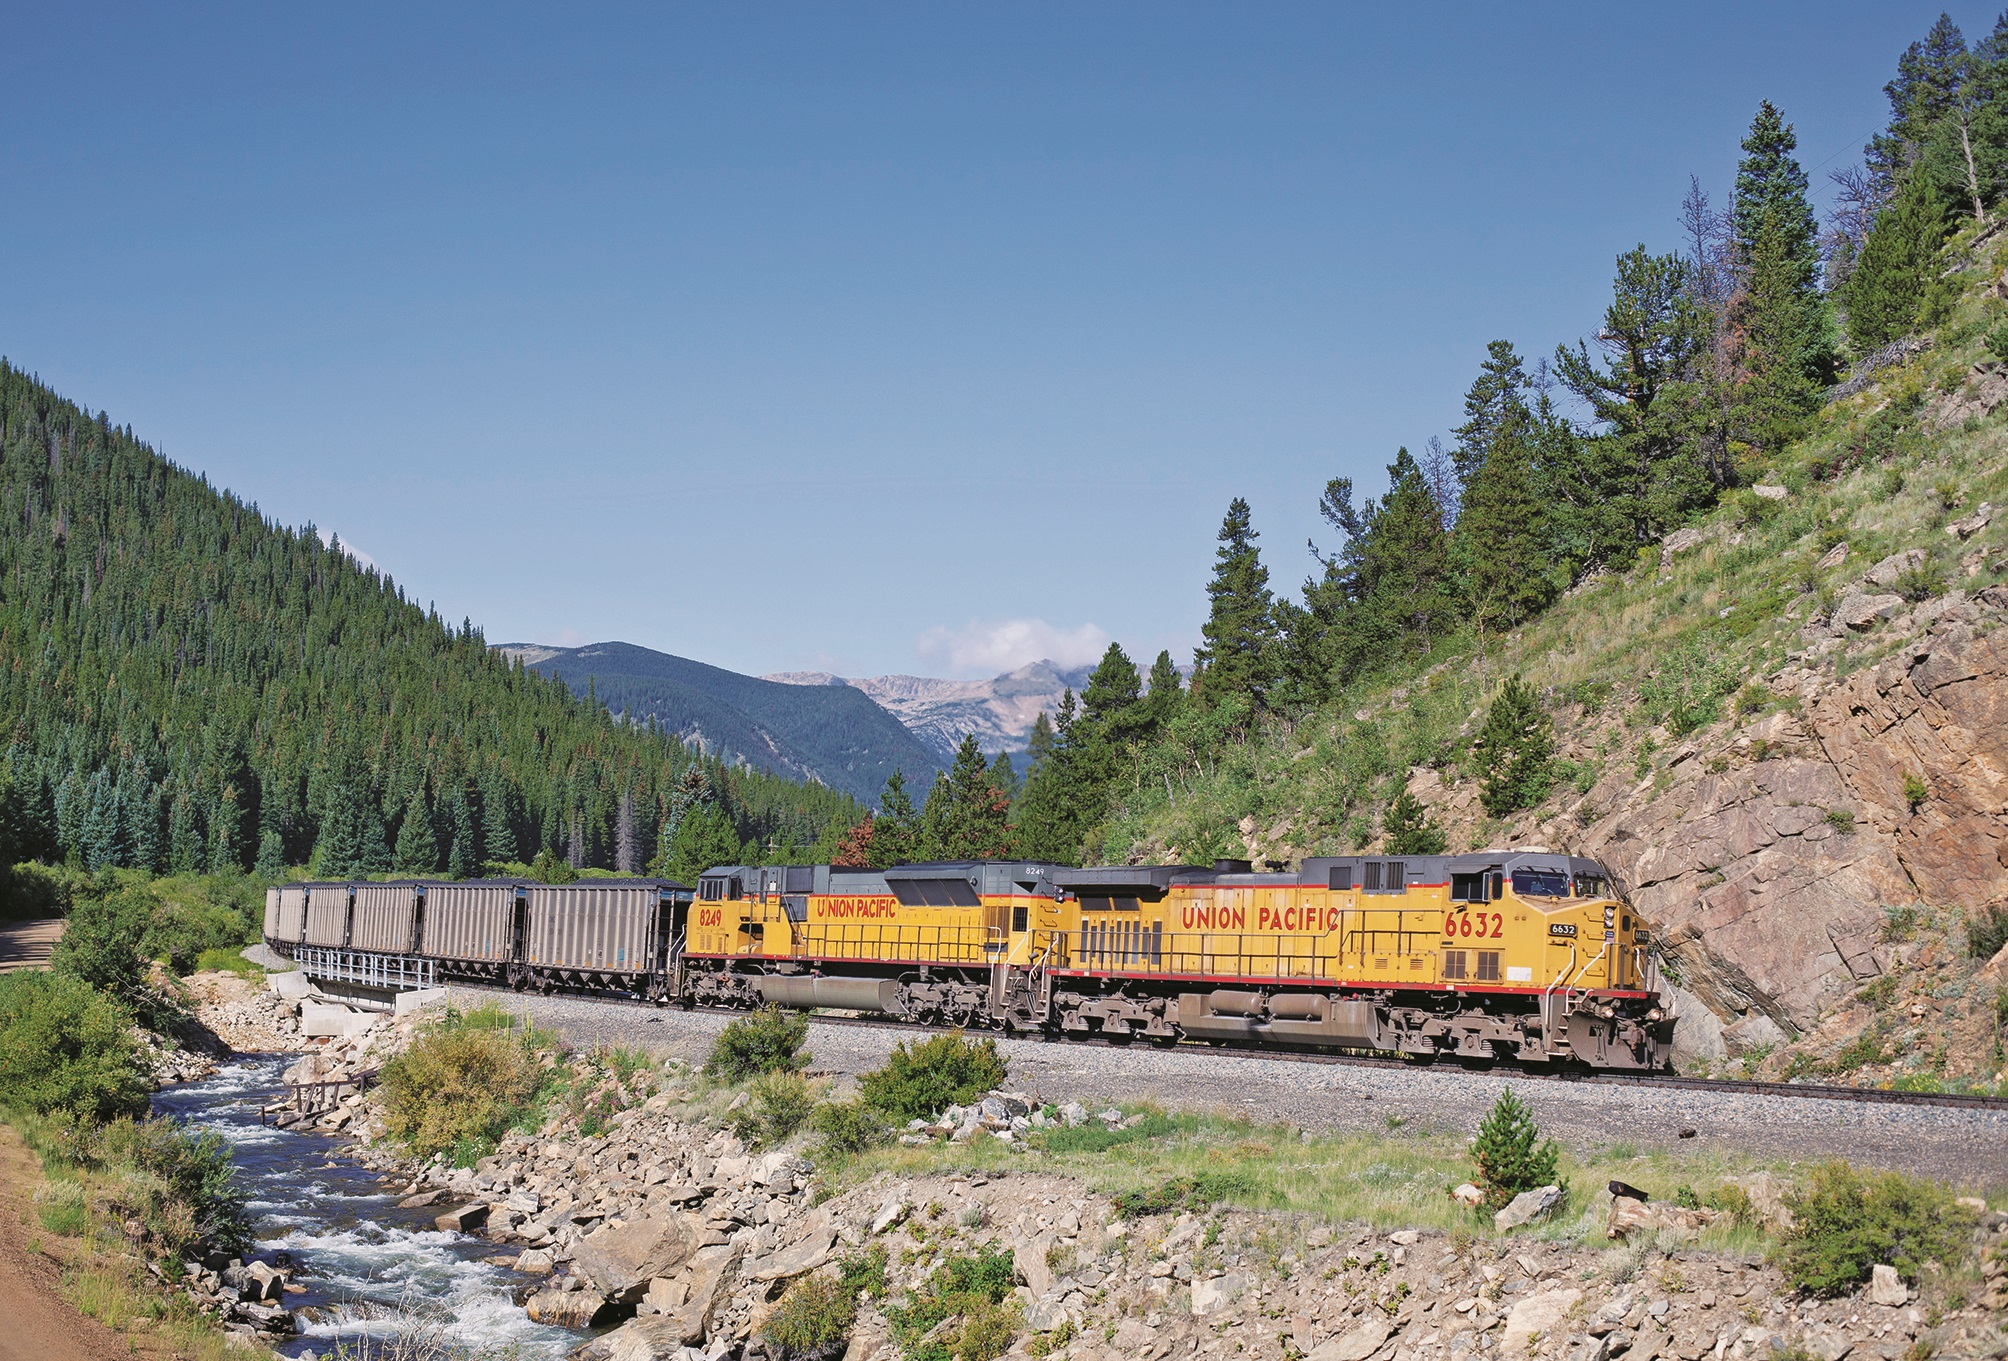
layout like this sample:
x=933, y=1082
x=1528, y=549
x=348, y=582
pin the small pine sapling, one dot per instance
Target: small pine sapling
x=1509, y=1153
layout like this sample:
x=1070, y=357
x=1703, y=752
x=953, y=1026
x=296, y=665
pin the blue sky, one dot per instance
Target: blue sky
x=865, y=338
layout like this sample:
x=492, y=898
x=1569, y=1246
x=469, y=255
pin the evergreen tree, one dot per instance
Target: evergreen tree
x=1161, y=701
x=970, y=814
x=1409, y=830
x=1039, y=746
x=338, y=852
x=417, y=854
x=705, y=839
x=463, y=852
x=896, y=830
x=1048, y=815
x=1515, y=750
x=1771, y=196
x=271, y=855
x=1492, y=403
x=186, y=853
x=1239, y=659
x=1503, y=540
x=1004, y=777
x=1926, y=88
x=1886, y=287
x=143, y=828
x=1643, y=466
x=498, y=819
x=1509, y=1153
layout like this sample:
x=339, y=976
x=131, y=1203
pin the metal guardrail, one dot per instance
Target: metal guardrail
x=397, y=973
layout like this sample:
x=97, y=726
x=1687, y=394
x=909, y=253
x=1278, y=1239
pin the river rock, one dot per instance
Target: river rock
x=1356, y=1345
x=1535, y=1317
x=1527, y=1207
x=262, y=1282
x=1886, y=1287
x=621, y=1261
x=466, y=1219
x=567, y=1308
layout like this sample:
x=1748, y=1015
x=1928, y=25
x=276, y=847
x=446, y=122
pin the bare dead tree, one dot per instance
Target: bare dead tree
x=1439, y=470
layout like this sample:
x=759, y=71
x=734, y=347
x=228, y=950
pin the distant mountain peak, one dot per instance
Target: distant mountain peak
x=1000, y=710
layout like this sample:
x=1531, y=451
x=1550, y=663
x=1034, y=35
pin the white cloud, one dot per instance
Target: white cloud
x=362, y=559
x=982, y=648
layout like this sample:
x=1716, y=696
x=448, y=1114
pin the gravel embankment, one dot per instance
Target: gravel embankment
x=1967, y=1147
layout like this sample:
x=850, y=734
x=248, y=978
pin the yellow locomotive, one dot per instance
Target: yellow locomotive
x=1529, y=956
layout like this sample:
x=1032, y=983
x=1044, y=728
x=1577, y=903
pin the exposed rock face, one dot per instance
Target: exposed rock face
x=1768, y=876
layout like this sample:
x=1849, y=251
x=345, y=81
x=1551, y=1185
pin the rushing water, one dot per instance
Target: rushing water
x=362, y=1259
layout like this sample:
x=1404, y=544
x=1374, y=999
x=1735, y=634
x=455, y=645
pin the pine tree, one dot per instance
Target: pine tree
x=896, y=830
x=1926, y=88
x=1886, y=287
x=498, y=820
x=1004, y=777
x=1771, y=195
x=186, y=853
x=143, y=829
x=1503, y=536
x=705, y=840
x=417, y=853
x=1162, y=699
x=1493, y=402
x=1047, y=815
x=627, y=843
x=1409, y=830
x=1239, y=659
x=967, y=815
x=271, y=855
x=1515, y=750
x=1509, y=1153
x=338, y=851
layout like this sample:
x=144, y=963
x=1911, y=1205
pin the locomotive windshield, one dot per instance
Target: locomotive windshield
x=1592, y=886
x=1541, y=883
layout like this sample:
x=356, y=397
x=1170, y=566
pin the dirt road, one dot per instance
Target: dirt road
x=26, y=945
x=40, y=1327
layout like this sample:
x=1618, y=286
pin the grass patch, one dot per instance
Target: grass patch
x=958, y=1313
x=225, y=960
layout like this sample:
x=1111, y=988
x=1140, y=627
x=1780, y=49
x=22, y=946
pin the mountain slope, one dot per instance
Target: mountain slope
x=189, y=686
x=1000, y=711
x=832, y=734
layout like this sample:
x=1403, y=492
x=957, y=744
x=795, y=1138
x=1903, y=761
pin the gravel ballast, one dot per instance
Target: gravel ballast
x=1968, y=1147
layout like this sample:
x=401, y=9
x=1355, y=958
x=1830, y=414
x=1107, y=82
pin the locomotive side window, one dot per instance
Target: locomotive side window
x=1341, y=879
x=1540, y=883
x=1453, y=963
x=1021, y=916
x=1592, y=886
x=1467, y=888
x=1488, y=966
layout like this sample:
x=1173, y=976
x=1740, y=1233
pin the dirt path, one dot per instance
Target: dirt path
x=26, y=945
x=39, y=1326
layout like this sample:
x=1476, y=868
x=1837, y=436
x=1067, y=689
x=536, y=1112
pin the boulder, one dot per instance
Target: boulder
x=1886, y=572
x=1212, y=1296
x=466, y=1219
x=1887, y=1288
x=534, y=1262
x=704, y=1283
x=1045, y=1315
x=621, y=1262
x=1356, y=1345
x=567, y=1308
x=1467, y=1194
x=1527, y=1207
x=1629, y=1216
x=806, y=1253
x=1860, y=613
x=889, y=1214
x=1028, y=1264
x=1770, y=492
x=1535, y=1317
x=262, y=1282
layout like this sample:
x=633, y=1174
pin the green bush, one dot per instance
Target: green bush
x=781, y=1105
x=103, y=943
x=765, y=1041
x=1915, y=791
x=66, y=1050
x=1987, y=932
x=849, y=1127
x=1196, y=1192
x=179, y=1183
x=1686, y=692
x=1846, y=1221
x=1515, y=751
x=958, y=1313
x=1842, y=820
x=463, y=1083
x=813, y=1319
x=944, y=1071
x=1509, y=1153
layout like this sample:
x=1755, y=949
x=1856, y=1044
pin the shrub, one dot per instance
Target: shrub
x=66, y=1050
x=781, y=1105
x=940, y=1072
x=1509, y=1153
x=813, y=1319
x=1846, y=1221
x=1686, y=692
x=1987, y=932
x=1409, y=830
x=1915, y=791
x=101, y=945
x=957, y=1314
x=765, y=1041
x=179, y=1183
x=849, y=1127
x=1842, y=820
x=1920, y=582
x=461, y=1085
x=1196, y=1192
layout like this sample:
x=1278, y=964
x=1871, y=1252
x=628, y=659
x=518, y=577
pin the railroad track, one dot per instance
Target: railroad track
x=1812, y=1091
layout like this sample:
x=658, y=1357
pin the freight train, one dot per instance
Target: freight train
x=1522, y=956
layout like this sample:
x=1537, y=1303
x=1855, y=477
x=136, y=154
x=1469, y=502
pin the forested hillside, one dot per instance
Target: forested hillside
x=188, y=687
